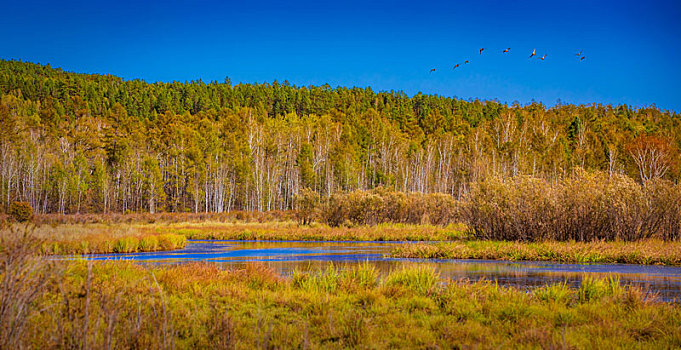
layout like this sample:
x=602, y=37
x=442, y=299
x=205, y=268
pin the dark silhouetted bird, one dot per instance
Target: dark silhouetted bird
x=481, y=50
x=432, y=70
x=543, y=57
x=534, y=53
x=505, y=51
x=582, y=58
x=466, y=62
x=456, y=65
x=580, y=53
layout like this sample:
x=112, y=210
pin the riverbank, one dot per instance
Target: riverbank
x=452, y=240
x=644, y=252
x=200, y=306
x=124, y=237
x=129, y=244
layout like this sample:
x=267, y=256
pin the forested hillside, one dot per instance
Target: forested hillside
x=93, y=143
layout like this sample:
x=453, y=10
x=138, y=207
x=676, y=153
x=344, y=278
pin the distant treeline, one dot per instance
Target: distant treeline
x=80, y=143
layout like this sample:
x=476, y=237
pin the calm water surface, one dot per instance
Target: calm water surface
x=285, y=256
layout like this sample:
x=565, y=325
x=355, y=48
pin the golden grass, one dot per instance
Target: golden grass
x=646, y=252
x=99, y=238
x=289, y=230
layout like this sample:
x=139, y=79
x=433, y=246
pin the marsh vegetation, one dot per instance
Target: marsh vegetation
x=200, y=305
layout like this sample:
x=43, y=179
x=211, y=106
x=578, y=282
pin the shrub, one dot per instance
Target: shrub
x=21, y=211
x=585, y=206
x=521, y=209
x=381, y=205
x=308, y=203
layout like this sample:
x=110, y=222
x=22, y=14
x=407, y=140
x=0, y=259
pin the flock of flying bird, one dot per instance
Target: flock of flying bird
x=533, y=54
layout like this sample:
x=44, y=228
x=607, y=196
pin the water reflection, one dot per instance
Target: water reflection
x=285, y=256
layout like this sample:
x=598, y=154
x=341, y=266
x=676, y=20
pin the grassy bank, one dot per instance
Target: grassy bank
x=200, y=306
x=121, y=237
x=645, y=252
x=97, y=238
x=289, y=230
x=130, y=244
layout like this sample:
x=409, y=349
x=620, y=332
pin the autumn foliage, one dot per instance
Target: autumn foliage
x=95, y=144
x=653, y=156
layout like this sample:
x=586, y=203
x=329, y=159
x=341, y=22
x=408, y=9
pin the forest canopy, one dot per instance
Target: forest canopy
x=76, y=143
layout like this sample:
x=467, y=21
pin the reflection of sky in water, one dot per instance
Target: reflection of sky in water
x=285, y=256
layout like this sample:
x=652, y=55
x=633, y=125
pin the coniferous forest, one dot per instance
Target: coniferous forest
x=83, y=143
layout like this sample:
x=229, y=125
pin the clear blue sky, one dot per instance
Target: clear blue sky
x=633, y=49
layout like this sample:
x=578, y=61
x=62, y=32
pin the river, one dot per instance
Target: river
x=285, y=256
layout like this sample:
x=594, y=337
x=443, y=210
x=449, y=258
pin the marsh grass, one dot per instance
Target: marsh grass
x=99, y=238
x=420, y=279
x=331, y=279
x=100, y=244
x=597, y=288
x=290, y=230
x=644, y=252
x=557, y=293
x=198, y=305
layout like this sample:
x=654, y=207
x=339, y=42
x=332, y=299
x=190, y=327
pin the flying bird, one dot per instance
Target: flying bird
x=505, y=51
x=456, y=65
x=481, y=50
x=534, y=53
x=466, y=62
x=582, y=58
x=432, y=70
x=543, y=57
x=579, y=53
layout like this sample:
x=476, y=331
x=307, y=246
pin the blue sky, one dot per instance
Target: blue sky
x=633, y=49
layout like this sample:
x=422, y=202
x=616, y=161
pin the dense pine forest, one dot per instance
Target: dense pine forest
x=81, y=143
